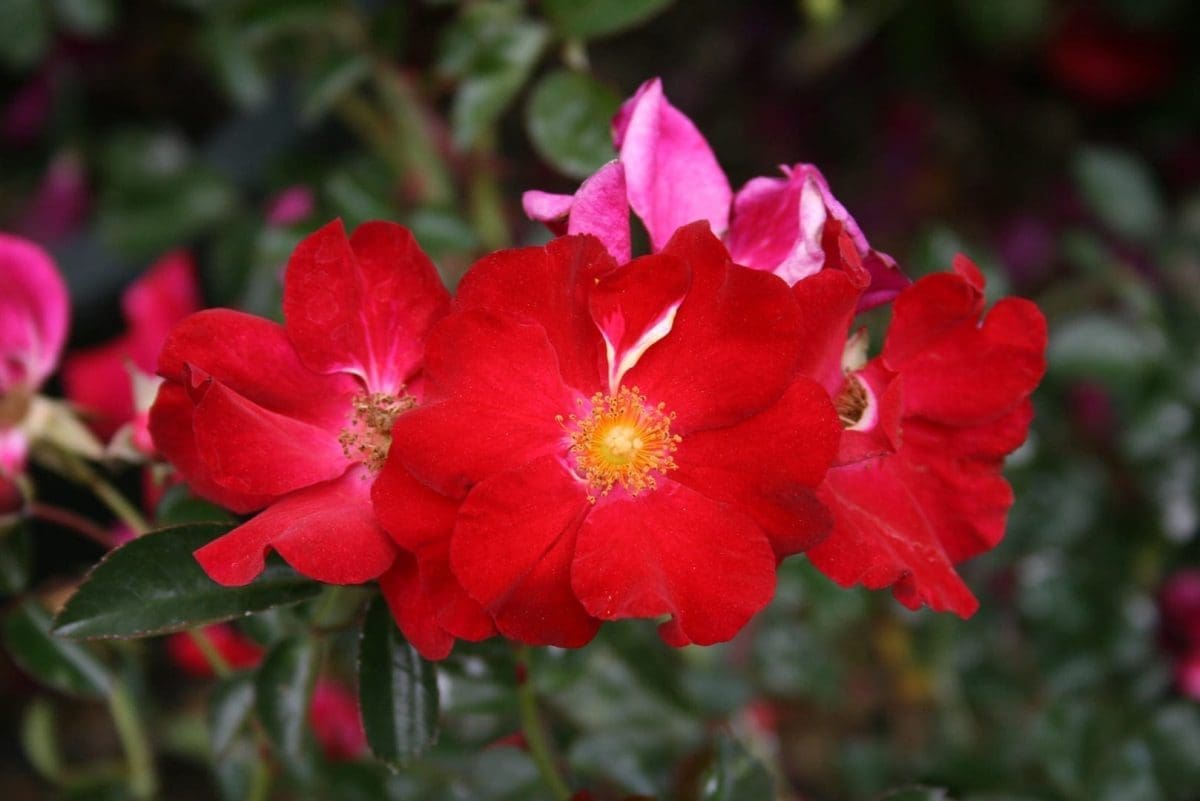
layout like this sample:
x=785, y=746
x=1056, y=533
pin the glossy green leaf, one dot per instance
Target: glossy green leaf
x=1120, y=191
x=69, y=667
x=735, y=775
x=25, y=34
x=568, y=118
x=14, y=558
x=153, y=585
x=586, y=19
x=397, y=690
x=228, y=709
x=282, y=689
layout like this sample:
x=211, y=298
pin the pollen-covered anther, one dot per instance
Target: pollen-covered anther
x=368, y=436
x=622, y=440
x=852, y=402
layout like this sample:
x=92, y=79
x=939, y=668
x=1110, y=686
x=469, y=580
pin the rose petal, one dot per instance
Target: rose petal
x=34, y=308
x=673, y=551
x=414, y=611
x=327, y=532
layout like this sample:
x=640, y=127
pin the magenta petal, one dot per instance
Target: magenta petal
x=599, y=207
x=672, y=176
x=34, y=309
x=548, y=208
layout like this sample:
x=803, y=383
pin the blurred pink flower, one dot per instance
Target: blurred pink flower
x=336, y=721
x=24, y=116
x=60, y=204
x=99, y=379
x=668, y=175
x=290, y=205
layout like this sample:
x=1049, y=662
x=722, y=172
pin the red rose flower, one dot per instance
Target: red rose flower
x=295, y=419
x=237, y=651
x=620, y=442
x=917, y=484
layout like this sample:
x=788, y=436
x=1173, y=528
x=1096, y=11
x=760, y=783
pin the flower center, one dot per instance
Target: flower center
x=855, y=404
x=369, y=435
x=622, y=440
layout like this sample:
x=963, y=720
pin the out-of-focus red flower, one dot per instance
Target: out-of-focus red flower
x=34, y=311
x=602, y=442
x=60, y=204
x=295, y=419
x=1187, y=674
x=336, y=721
x=238, y=651
x=24, y=116
x=291, y=205
x=917, y=485
x=1179, y=611
x=1092, y=411
x=1103, y=62
x=668, y=175
x=99, y=380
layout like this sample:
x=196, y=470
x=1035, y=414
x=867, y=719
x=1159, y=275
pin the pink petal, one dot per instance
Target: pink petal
x=364, y=305
x=34, y=310
x=548, y=208
x=327, y=532
x=290, y=205
x=671, y=173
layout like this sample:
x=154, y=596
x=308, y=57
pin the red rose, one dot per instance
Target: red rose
x=237, y=651
x=619, y=442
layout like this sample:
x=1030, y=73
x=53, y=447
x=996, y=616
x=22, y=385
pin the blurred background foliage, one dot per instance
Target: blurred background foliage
x=1058, y=143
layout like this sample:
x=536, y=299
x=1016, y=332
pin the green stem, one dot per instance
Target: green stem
x=487, y=202
x=535, y=733
x=219, y=666
x=260, y=782
x=68, y=519
x=143, y=781
x=81, y=472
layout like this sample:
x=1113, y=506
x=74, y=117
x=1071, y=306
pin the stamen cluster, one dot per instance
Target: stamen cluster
x=369, y=435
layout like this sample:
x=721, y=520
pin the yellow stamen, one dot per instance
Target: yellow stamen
x=369, y=434
x=852, y=402
x=622, y=440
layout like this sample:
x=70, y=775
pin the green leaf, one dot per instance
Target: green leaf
x=1175, y=740
x=915, y=794
x=587, y=19
x=492, y=49
x=1095, y=344
x=146, y=221
x=236, y=64
x=14, y=558
x=40, y=741
x=25, y=34
x=153, y=585
x=1120, y=191
x=178, y=506
x=64, y=665
x=568, y=119
x=228, y=709
x=397, y=690
x=331, y=81
x=86, y=17
x=282, y=690
x=734, y=775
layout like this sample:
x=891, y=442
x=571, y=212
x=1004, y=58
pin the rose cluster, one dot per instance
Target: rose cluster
x=578, y=435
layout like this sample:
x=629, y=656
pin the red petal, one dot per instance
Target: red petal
x=673, y=551
x=512, y=551
x=364, y=305
x=935, y=307
x=254, y=451
x=156, y=302
x=827, y=304
x=171, y=420
x=881, y=537
x=254, y=358
x=548, y=286
x=327, y=532
x=635, y=307
x=413, y=611
x=97, y=381
x=495, y=393
x=768, y=466
x=732, y=349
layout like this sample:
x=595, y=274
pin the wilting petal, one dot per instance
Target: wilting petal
x=599, y=207
x=635, y=307
x=549, y=208
x=548, y=286
x=327, y=532
x=671, y=174
x=733, y=344
x=33, y=314
x=673, y=551
x=887, y=281
x=414, y=611
x=767, y=466
x=254, y=358
x=512, y=551
x=363, y=305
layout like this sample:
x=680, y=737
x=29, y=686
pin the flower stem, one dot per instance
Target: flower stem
x=143, y=781
x=220, y=667
x=535, y=733
x=81, y=472
x=77, y=523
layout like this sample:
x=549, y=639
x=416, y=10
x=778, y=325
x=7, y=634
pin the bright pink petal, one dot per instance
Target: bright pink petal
x=493, y=402
x=413, y=610
x=327, y=532
x=769, y=465
x=171, y=420
x=599, y=207
x=254, y=358
x=512, y=551
x=733, y=345
x=34, y=309
x=673, y=551
x=548, y=286
x=635, y=307
x=364, y=305
x=290, y=206
x=549, y=208
x=777, y=226
x=671, y=174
